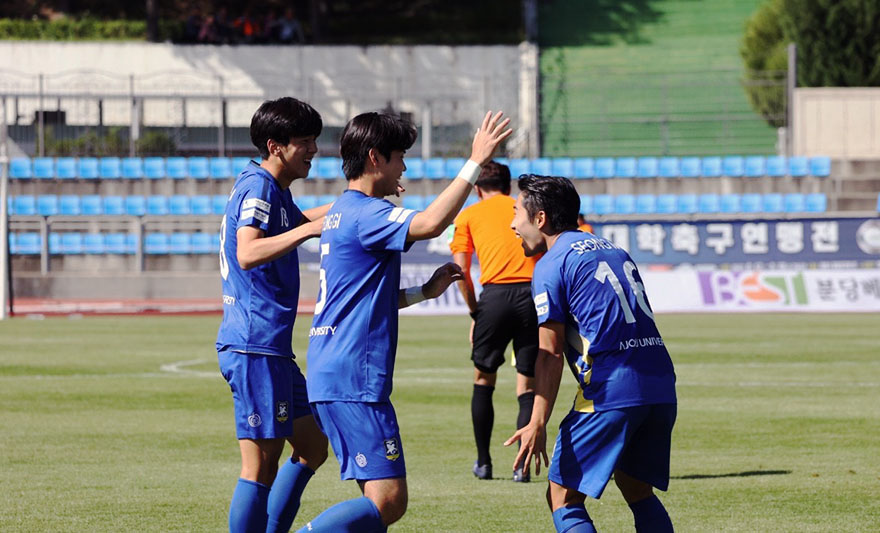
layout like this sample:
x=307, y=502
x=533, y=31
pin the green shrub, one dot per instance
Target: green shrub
x=85, y=29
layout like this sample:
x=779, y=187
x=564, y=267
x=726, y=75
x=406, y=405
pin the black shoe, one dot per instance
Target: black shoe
x=482, y=471
x=518, y=476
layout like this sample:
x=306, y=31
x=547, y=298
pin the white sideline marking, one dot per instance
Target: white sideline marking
x=180, y=367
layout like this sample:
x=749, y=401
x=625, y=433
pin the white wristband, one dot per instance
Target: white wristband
x=414, y=295
x=470, y=172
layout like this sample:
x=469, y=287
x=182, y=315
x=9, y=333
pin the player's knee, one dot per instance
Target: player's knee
x=632, y=489
x=392, y=507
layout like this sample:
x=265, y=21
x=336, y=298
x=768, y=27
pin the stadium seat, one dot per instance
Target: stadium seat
x=666, y=204
x=20, y=168
x=542, y=166
x=471, y=200
x=114, y=243
x=710, y=167
x=71, y=243
x=180, y=243
x=155, y=243
x=114, y=205
x=686, y=204
x=218, y=204
x=175, y=167
x=110, y=168
x=670, y=167
x=733, y=166
x=776, y=166
x=820, y=166
x=646, y=204
x=690, y=167
x=135, y=206
x=220, y=168
x=200, y=204
x=65, y=168
x=624, y=204
x=751, y=203
x=198, y=167
x=415, y=168
x=563, y=166
x=154, y=167
x=453, y=165
x=326, y=199
x=91, y=205
x=132, y=243
x=178, y=204
x=329, y=168
x=816, y=203
x=215, y=241
x=24, y=204
x=586, y=204
x=201, y=244
x=625, y=167
x=605, y=167
x=69, y=205
x=304, y=202
x=603, y=204
x=28, y=244
x=413, y=201
x=87, y=168
x=435, y=168
x=157, y=205
x=584, y=167
x=708, y=203
x=730, y=203
x=772, y=203
x=55, y=243
x=518, y=167
x=798, y=166
x=132, y=168
x=794, y=203
x=44, y=167
x=47, y=205
x=647, y=167
x=239, y=164
x=93, y=243
x=753, y=166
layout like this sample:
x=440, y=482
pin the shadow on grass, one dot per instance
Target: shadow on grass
x=749, y=473
x=596, y=22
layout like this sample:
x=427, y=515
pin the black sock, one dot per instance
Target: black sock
x=526, y=400
x=483, y=415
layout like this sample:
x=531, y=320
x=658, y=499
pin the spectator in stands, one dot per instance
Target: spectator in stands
x=222, y=26
x=269, y=28
x=289, y=29
x=247, y=28
x=208, y=31
x=192, y=27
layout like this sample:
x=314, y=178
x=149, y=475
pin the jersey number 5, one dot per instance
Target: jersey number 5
x=322, y=276
x=603, y=272
x=224, y=265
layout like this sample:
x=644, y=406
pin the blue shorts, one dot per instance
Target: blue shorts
x=364, y=437
x=590, y=446
x=268, y=391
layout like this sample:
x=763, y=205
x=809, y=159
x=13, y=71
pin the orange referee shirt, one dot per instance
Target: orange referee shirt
x=485, y=228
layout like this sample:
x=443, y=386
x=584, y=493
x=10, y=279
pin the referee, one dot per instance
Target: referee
x=505, y=310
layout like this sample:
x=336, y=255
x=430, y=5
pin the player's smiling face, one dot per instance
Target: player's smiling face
x=391, y=170
x=297, y=156
x=528, y=230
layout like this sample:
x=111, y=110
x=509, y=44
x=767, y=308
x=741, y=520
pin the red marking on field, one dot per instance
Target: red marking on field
x=51, y=307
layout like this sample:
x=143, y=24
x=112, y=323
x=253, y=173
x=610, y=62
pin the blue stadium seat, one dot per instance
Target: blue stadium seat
x=686, y=204
x=69, y=204
x=87, y=168
x=586, y=204
x=603, y=204
x=239, y=163
x=65, y=168
x=28, y=244
x=71, y=243
x=415, y=168
x=156, y=243
x=330, y=168
x=10, y=208
x=132, y=168
x=109, y=168
x=20, y=168
x=55, y=243
x=751, y=203
x=690, y=167
x=605, y=167
x=114, y=205
x=114, y=243
x=625, y=167
x=201, y=243
x=326, y=199
x=178, y=204
x=816, y=203
x=413, y=201
x=777, y=166
x=710, y=167
x=563, y=166
x=435, y=168
x=624, y=204
x=772, y=203
x=44, y=167
x=304, y=202
x=24, y=204
x=733, y=166
x=584, y=167
x=646, y=204
x=453, y=165
x=518, y=167
x=200, y=204
x=471, y=200
x=218, y=204
x=154, y=167
x=794, y=203
x=820, y=166
x=666, y=204
x=157, y=205
x=135, y=206
x=93, y=243
x=175, y=167
x=92, y=204
x=198, y=167
x=47, y=205
x=670, y=167
x=502, y=161
x=542, y=166
x=132, y=243
x=429, y=198
x=180, y=243
x=753, y=166
x=220, y=168
x=708, y=203
x=648, y=167
x=215, y=241
x=730, y=203
x=798, y=166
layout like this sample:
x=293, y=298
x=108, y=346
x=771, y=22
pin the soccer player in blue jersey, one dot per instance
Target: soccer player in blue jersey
x=259, y=265
x=593, y=314
x=353, y=339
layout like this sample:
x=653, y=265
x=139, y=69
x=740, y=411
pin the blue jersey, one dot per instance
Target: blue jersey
x=612, y=344
x=259, y=305
x=353, y=338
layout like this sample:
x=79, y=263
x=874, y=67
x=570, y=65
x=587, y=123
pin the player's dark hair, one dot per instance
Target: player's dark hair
x=282, y=119
x=494, y=177
x=380, y=131
x=555, y=196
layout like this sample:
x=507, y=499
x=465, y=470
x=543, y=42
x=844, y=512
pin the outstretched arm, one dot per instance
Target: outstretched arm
x=440, y=280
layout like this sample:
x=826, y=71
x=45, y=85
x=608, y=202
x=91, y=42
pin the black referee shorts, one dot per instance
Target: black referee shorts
x=505, y=312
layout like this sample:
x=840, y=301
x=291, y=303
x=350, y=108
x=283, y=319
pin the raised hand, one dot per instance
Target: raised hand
x=489, y=135
x=441, y=279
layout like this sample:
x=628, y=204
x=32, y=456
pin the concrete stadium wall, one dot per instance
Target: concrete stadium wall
x=843, y=123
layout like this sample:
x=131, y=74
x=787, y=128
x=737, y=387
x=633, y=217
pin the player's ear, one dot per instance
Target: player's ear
x=272, y=147
x=541, y=220
x=373, y=157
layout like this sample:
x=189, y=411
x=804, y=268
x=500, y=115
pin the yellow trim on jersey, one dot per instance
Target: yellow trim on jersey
x=581, y=345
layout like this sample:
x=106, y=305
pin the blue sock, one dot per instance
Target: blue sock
x=352, y=516
x=247, y=511
x=285, y=494
x=573, y=519
x=650, y=516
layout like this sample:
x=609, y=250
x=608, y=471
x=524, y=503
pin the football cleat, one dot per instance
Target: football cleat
x=482, y=471
x=518, y=476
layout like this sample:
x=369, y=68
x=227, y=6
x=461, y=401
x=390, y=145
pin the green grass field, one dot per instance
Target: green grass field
x=124, y=424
